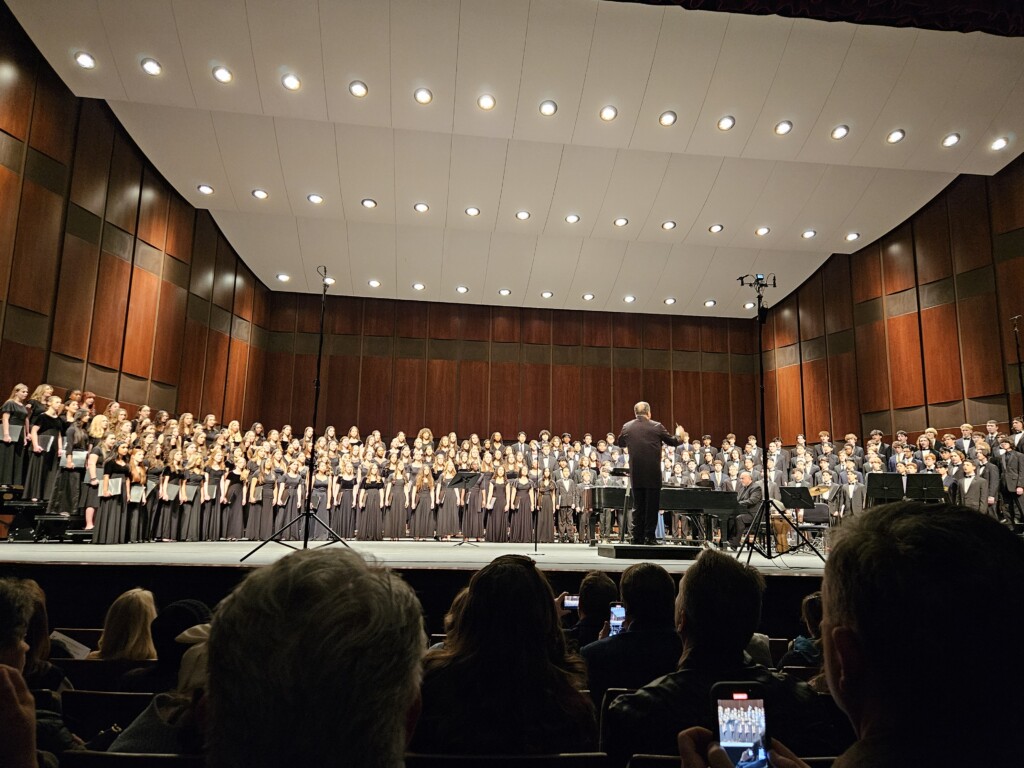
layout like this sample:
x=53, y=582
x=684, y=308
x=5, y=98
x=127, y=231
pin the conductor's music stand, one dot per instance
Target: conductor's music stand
x=463, y=480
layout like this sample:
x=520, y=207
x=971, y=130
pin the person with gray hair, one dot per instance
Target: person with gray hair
x=315, y=661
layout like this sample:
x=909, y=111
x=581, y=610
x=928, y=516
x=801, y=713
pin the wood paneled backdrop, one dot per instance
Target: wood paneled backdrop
x=110, y=281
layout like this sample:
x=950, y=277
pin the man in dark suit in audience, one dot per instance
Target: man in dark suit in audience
x=648, y=646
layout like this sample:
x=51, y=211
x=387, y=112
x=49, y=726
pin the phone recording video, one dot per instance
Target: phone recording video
x=742, y=730
x=571, y=602
x=616, y=617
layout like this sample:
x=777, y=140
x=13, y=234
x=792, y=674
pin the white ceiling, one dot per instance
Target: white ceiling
x=583, y=54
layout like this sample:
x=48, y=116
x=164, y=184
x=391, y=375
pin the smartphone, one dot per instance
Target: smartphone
x=571, y=602
x=742, y=723
x=616, y=616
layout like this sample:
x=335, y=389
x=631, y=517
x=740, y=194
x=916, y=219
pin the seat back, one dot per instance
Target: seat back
x=86, y=713
x=84, y=758
x=778, y=647
x=567, y=760
x=610, y=695
x=87, y=636
x=652, y=761
x=801, y=673
x=98, y=674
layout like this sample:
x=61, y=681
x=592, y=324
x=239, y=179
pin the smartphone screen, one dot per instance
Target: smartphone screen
x=741, y=729
x=571, y=602
x=616, y=617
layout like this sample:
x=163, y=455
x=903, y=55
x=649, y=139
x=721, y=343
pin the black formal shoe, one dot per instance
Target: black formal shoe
x=652, y=542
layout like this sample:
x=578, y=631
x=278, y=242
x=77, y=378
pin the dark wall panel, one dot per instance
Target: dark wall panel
x=378, y=317
x=10, y=189
x=75, y=298
x=565, y=399
x=686, y=402
x=224, y=280
x=193, y=368
x=234, y=392
x=743, y=336
x=812, y=311
x=181, y=221
x=714, y=334
x=375, y=395
x=21, y=364
x=92, y=157
x=215, y=376
x=597, y=329
x=866, y=274
x=931, y=242
x=125, y=185
x=786, y=322
x=504, y=399
x=627, y=330
x=837, y=294
x=302, y=392
x=244, y=290
x=872, y=368
x=906, y=375
x=970, y=231
x=627, y=390
x=686, y=333
x=597, y=399
x=791, y=417
x=472, y=397
x=536, y=326
x=252, y=411
x=153, y=209
x=657, y=390
x=941, y=354
x=898, y=259
x=505, y=324
x=817, y=415
x=1006, y=198
x=108, y=315
x=53, y=111
x=715, y=401
x=771, y=402
x=36, y=249
x=842, y=384
x=410, y=388
x=18, y=62
x=743, y=414
x=142, y=319
x=535, y=405
x=170, y=332
x=440, y=408
x=982, y=370
x=341, y=391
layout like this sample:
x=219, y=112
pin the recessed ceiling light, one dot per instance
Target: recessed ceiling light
x=629, y=299
x=421, y=207
x=461, y=289
x=85, y=60
x=840, y=132
x=291, y=81
x=1000, y=143
x=504, y=291
x=368, y=202
x=315, y=199
x=546, y=294
x=749, y=305
x=358, y=88
x=761, y=231
x=374, y=283
x=423, y=96
x=710, y=303
x=951, y=140
x=895, y=137
x=260, y=194
x=667, y=118
x=670, y=300
x=621, y=222
x=666, y=225
x=726, y=123
x=588, y=297
x=472, y=211
x=329, y=281
x=205, y=189
x=222, y=75
x=283, y=277
x=715, y=228
x=522, y=215
x=783, y=127
x=548, y=108
x=851, y=236
x=572, y=218
x=609, y=113
x=807, y=234
x=418, y=286
x=486, y=101
x=151, y=67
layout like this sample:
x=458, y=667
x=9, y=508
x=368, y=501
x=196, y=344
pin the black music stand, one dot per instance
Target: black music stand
x=462, y=481
x=884, y=487
x=926, y=488
x=801, y=498
x=624, y=533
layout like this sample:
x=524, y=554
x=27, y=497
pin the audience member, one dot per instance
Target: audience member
x=165, y=629
x=505, y=682
x=597, y=591
x=718, y=607
x=902, y=583
x=648, y=646
x=126, y=628
x=805, y=650
x=39, y=673
x=314, y=661
x=451, y=618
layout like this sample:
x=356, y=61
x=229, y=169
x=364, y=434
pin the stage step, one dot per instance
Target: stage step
x=649, y=552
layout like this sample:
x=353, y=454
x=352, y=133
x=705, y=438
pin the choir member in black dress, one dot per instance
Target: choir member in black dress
x=213, y=491
x=423, y=525
x=321, y=496
x=473, y=508
x=233, y=500
x=343, y=522
x=371, y=495
x=546, y=507
x=68, y=487
x=497, y=506
x=110, y=518
x=290, y=498
x=261, y=502
x=524, y=502
x=45, y=442
x=192, y=507
x=37, y=402
x=94, y=464
x=13, y=415
x=396, y=503
x=168, y=526
x=136, y=525
x=448, y=502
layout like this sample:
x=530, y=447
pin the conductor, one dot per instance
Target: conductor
x=643, y=437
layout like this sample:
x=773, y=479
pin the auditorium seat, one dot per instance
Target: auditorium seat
x=568, y=760
x=98, y=674
x=610, y=696
x=86, y=713
x=89, y=637
x=662, y=761
x=84, y=758
x=777, y=646
x=802, y=673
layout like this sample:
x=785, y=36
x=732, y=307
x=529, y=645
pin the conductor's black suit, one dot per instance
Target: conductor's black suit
x=644, y=438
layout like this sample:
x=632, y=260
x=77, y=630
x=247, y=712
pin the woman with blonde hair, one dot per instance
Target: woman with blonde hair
x=126, y=634
x=13, y=415
x=97, y=430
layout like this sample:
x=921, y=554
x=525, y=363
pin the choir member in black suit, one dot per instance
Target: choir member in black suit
x=13, y=416
x=1017, y=433
x=68, y=486
x=852, y=497
x=1012, y=465
x=972, y=490
x=990, y=472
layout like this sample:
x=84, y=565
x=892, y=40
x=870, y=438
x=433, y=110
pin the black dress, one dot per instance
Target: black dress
x=110, y=517
x=290, y=508
x=90, y=492
x=211, y=509
x=232, y=521
x=344, y=520
x=260, y=524
x=192, y=511
x=473, y=514
x=370, y=522
x=448, y=509
x=546, y=516
x=423, y=523
x=319, y=495
x=396, y=514
x=42, y=466
x=12, y=454
x=150, y=513
x=522, y=513
x=497, y=516
x=169, y=525
x=68, y=487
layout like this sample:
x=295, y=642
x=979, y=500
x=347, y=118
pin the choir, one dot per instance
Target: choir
x=158, y=478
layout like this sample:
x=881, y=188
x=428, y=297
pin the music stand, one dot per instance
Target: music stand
x=884, y=487
x=801, y=499
x=926, y=488
x=463, y=480
x=624, y=472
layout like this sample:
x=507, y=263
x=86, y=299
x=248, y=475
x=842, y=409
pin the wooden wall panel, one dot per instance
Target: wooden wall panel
x=21, y=364
x=714, y=334
x=215, y=375
x=535, y=401
x=715, y=401
x=18, y=61
x=341, y=391
x=153, y=209
x=596, y=386
x=872, y=368
x=504, y=398
x=790, y=393
x=627, y=390
x=982, y=369
x=866, y=273
x=53, y=111
x=836, y=292
x=75, y=295
x=771, y=405
x=597, y=329
x=1006, y=198
x=686, y=334
x=471, y=398
x=1009, y=279
x=108, y=315
x=686, y=403
x=743, y=336
x=204, y=255
x=142, y=320
x=36, y=249
x=898, y=259
x=93, y=150
x=347, y=315
x=193, y=368
x=657, y=331
x=842, y=384
x=786, y=322
x=379, y=317
x=234, y=391
x=10, y=190
x=931, y=242
x=657, y=390
x=439, y=414
x=181, y=221
x=627, y=330
x=281, y=314
x=307, y=313
x=941, y=354
x=811, y=309
x=410, y=392
x=906, y=375
x=476, y=323
x=443, y=321
x=565, y=399
x=224, y=276
x=742, y=411
x=375, y=395
x=817, y=415
x=505, y=324
x=244, y=290
x=568, y=328
x=252, y=410
x=302, y=392
x=970, y=232
x=125, y=185
x=536, y=326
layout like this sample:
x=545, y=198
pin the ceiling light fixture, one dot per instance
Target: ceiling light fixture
x=368, y=202
x=461, y=289
x=222, y=75
x=749, y=305
x=374, y=283
x=710, y=303
x=205, y=189
x=291, y=81
x=358, y=89
x=421, y=207
x=762, y=231
x=667, y=225
x=726, y=123
x=896, y=136
x=807, y=234
x=423, y=96
x=783, y=127
x=609, y=113
x=151, y=67
x=670, y=300
x=621, y=221
x=572, y=218
x=85, y=60
x=418, y=286
x=851, y=236
x=504, y=291
x=283, y=277
x=472, y=211
x=629, y=299
x=486, y=102
x=315, y=199
x=548, y=108
x=260, y=194
x=329, y=280
x=1001, y=143
x=714, y=229
x=522, y=215
x=588, y=297
x=840, y=132
x=951, y=140
x=546, y=294
x=667, y=118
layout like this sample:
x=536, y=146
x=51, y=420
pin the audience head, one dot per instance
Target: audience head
x=904, y=585
x=810, y=612
x=597, y=590
x=15, y=614
x=314, y=660
x=126, y=629
x=171, y=622
x=648, y=592
x=718, y=606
